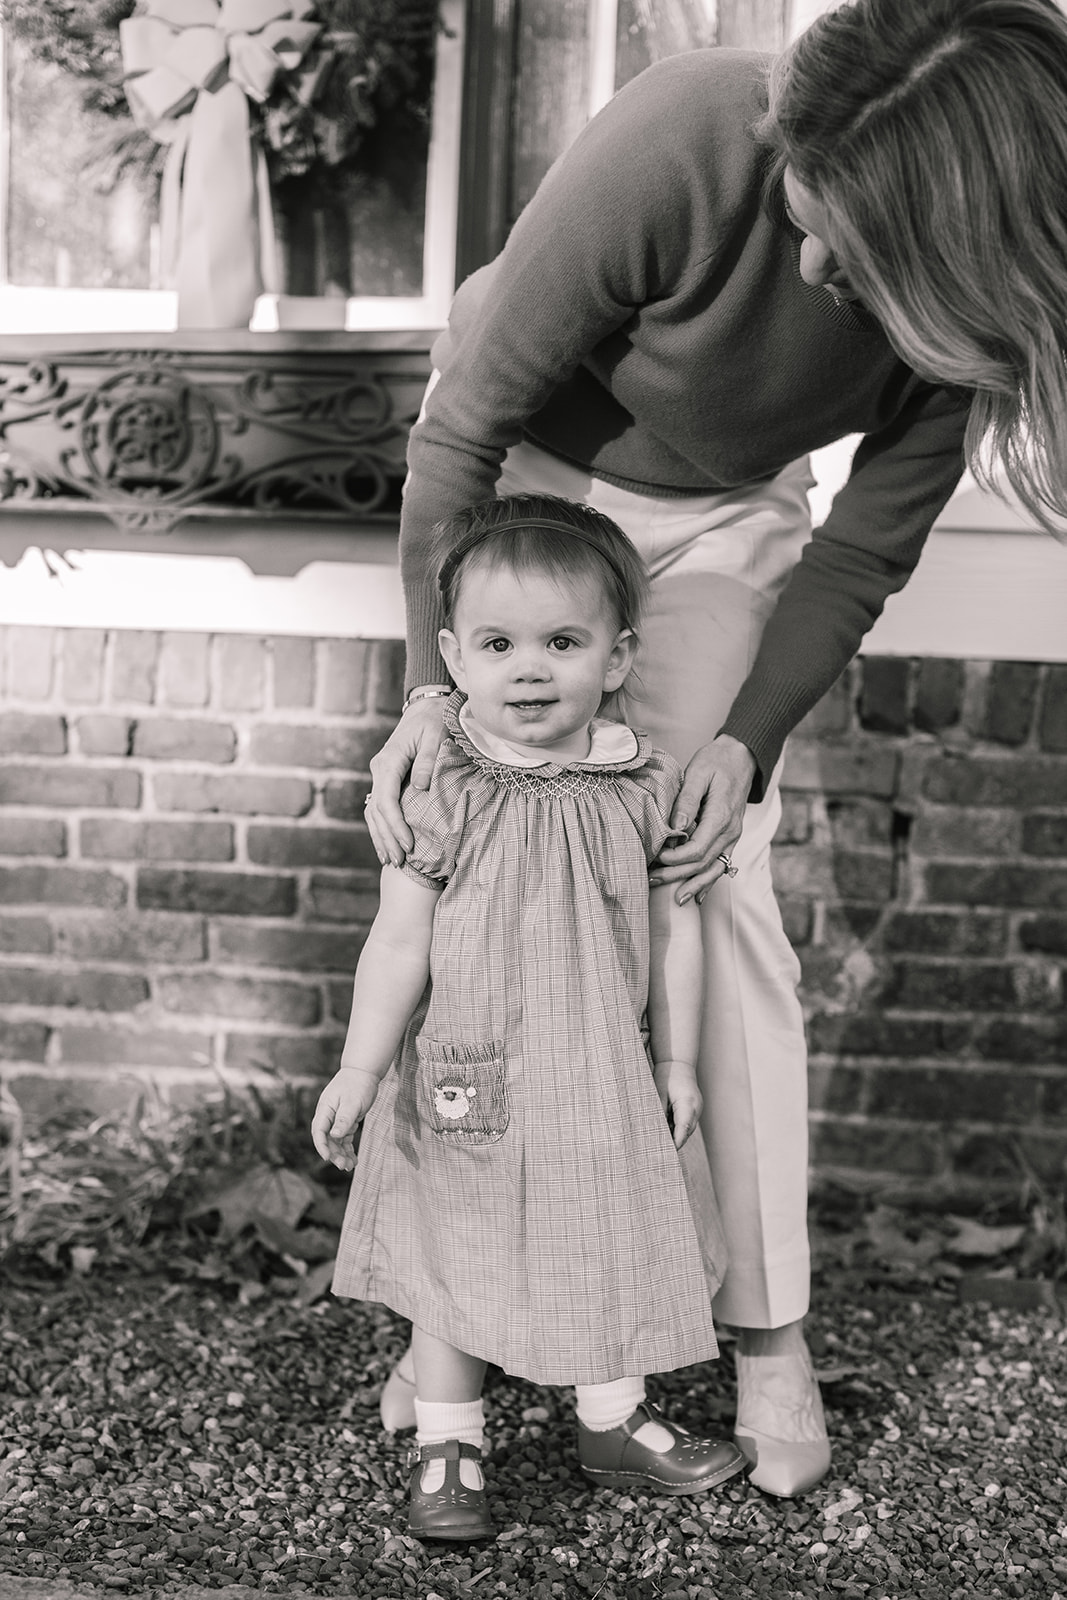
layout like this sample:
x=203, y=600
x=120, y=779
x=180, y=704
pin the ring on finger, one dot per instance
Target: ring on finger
x=731, y=870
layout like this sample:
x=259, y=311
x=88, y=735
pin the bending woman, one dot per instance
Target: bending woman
x=737, y=262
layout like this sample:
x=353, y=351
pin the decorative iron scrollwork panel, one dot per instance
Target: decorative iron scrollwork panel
x=149, y=436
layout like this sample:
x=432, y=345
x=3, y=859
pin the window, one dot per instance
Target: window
x=80, y=251
x=544, y=67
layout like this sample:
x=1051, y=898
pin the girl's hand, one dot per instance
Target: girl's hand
x=411, y=748
x=676, y=1084
x=717, y=785
x=342, y=1106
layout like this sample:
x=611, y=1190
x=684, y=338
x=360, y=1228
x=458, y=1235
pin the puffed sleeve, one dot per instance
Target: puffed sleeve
x=648, y=793
x=438, y=816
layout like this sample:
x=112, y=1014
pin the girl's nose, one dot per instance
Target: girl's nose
x=531, y=665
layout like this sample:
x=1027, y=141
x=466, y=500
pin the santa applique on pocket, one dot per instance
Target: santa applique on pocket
x=453, y=1100
x=466, y=1090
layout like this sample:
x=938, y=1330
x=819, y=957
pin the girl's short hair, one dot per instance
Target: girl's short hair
x=934, y=133
x=542, y=533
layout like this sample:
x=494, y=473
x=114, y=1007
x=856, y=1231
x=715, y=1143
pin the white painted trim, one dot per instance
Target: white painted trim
x=201, y=594
x=603, y=35
x=989, y=585
x=976, y=595
x=980, y=595
x=47, y=311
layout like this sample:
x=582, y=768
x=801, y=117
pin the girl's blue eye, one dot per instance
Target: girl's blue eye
x=561, y=642
x=498, y=646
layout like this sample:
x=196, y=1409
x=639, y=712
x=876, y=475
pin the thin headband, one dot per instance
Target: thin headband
x=471, y=540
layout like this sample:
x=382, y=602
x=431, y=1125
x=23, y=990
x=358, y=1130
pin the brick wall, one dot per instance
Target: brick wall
x=185, y=879
x=185, y=882
x=922, y=868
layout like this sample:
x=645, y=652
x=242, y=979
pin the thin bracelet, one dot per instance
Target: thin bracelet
x=430, y=691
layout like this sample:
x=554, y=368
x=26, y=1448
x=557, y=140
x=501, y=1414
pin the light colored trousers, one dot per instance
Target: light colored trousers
x=718, y=563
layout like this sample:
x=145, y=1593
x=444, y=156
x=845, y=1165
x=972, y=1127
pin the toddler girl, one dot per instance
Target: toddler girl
x=531, y=1167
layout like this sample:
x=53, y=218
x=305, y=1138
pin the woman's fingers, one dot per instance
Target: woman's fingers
x=425, y=759
x=410, y=750
x=697, y=863
x=381, y=810
x=717, y=784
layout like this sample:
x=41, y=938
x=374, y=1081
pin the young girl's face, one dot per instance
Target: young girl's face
x=535, y=658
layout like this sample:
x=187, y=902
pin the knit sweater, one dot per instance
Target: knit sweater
x=647, y=320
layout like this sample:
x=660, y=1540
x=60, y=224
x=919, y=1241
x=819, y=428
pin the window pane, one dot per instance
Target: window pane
x=63, y=231
x=649, y=30
x=355, y=228
x=550, y=107
x=358, y=228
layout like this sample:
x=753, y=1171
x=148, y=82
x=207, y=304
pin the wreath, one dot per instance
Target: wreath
x=371, y=68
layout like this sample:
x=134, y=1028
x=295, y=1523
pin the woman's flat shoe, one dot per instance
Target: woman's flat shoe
x=397, y=1404
x=615, y=1459
x=453, y=1511
x=780, y=1423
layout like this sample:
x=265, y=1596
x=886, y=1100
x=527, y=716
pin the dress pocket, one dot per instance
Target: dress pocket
x=466, y=1090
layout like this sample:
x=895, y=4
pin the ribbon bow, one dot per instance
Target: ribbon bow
x=191, y=67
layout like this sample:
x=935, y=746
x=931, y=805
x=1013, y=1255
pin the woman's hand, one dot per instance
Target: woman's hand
x=411, y=748
x=676, y=1085
x=717, y=785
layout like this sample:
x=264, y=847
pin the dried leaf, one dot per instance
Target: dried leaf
x=316, y=1284
x=975, y=1239
x=303, y=1244
x=893, y=1246
x=273, y=1192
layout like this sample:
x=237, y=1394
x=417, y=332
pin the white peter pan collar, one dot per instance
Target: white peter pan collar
x=611, y=742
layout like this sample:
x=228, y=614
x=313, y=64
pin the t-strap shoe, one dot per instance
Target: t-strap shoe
x=453, y=1511
x=615, y=1459
x=780, y=1423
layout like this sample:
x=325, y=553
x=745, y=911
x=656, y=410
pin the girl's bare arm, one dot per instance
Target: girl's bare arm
x=390, y=978
x=675, y=1003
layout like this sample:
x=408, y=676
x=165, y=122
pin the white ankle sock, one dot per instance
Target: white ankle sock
x=438, y=1420
x=603, y=1406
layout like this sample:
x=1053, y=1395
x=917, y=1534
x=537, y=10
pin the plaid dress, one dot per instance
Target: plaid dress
x=517, y=1192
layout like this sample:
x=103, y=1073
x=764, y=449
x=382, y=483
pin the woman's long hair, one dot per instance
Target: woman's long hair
x=934, y=133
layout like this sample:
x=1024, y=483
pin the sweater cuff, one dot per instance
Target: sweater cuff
x=762, y=719
x=424, y=661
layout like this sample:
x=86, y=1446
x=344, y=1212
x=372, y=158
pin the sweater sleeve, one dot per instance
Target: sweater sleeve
x=901, y=478
x=600, y=238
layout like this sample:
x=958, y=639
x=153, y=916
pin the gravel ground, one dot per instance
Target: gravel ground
x=163, y=1438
